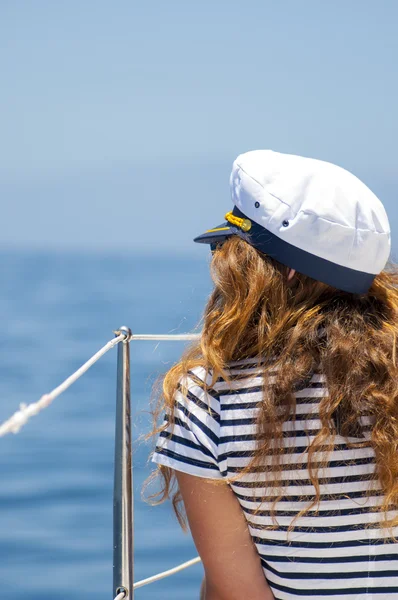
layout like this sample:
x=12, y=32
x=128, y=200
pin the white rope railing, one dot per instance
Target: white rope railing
x=153, y=578
x=177, y=337
x=26, y=411
x=167, y=573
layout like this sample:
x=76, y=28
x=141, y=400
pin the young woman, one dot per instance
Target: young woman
x=281, y=427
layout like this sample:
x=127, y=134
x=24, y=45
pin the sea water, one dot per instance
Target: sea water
x=56, y=487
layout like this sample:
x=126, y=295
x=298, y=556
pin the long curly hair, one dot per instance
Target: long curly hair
x=299, y=326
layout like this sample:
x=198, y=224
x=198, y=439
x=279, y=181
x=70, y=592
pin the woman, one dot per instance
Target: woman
x=281, y=424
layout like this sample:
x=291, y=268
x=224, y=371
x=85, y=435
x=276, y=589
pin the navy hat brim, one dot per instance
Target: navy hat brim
x=217, y=234
x=343, y=278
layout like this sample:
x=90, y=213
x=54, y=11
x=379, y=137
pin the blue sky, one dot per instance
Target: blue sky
x=119, y=121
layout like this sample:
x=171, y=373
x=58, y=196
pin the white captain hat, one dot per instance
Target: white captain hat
x=310, y=215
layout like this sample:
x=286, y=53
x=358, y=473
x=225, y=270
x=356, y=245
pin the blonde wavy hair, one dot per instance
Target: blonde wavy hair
x=299, y=326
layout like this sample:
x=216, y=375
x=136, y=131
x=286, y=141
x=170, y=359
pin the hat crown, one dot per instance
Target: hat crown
x=308, y=184
x=329, y=210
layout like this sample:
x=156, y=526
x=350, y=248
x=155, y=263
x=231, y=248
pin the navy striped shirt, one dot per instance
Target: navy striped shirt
x=337, y=551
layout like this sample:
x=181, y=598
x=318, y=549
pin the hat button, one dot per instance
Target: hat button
x=246, y=225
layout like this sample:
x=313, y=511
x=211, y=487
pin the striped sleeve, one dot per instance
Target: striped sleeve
x=190, y=444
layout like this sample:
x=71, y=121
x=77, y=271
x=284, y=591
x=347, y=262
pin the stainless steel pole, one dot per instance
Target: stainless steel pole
x=123, y=490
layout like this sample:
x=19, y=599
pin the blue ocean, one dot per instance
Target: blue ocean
x=56, y=488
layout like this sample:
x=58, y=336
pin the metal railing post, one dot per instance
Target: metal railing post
x=123, y=478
